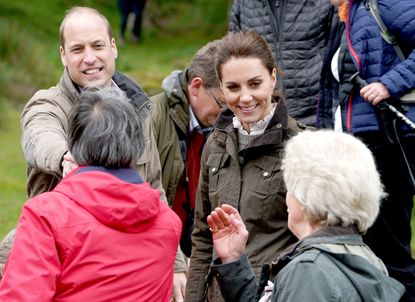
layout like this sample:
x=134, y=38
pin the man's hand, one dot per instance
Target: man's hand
x=374, y=93
x=179, y=286
x=68, y=164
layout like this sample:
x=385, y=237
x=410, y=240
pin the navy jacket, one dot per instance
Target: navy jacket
x=377, y=61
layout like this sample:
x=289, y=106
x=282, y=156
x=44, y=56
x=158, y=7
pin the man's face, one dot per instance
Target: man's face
x=88, y=53
x=207, y=104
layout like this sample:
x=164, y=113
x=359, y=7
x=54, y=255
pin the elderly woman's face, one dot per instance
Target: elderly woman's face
x=297, y=222
x=248, y=86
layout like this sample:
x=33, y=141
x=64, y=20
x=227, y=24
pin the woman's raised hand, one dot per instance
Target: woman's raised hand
x=228, y=232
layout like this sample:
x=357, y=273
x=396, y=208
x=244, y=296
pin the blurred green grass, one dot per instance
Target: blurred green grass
x=12, y=169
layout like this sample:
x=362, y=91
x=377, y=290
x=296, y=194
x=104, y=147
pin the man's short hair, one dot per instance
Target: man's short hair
x=104, y=130
x=333, y=175
x=203, y=66
x=82, y=10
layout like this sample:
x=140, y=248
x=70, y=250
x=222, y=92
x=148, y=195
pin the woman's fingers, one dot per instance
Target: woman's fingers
x=235, y=218
x=218, y=219
x=212, y=224
x=226, y=218
x=229, y=209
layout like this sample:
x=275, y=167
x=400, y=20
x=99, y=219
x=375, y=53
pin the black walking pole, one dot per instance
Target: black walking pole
x=357, y=80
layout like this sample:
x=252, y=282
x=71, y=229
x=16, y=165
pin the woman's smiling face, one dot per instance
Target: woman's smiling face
x=248, y=86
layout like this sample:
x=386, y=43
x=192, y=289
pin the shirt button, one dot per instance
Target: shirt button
x=279, y=125
x=265, y=174
x=214, y=170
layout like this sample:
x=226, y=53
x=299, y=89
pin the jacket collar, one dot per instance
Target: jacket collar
x=137, y=95
x=112, y=197
x=326, y=235
x=329, y=234
x=124, y=174
x=70, y=90
x=178, y=101
x=273, y=134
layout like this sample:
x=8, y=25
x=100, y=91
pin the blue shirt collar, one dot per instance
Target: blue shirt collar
x=124, y=174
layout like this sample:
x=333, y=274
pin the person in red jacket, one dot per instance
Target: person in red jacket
x=102, y=234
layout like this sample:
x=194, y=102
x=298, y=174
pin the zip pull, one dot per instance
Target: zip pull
x=277, y=3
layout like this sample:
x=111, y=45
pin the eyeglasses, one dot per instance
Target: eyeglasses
x=220, y=102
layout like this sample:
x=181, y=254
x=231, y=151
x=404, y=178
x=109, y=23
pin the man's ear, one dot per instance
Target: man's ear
x=194, y=87
x=114, y=48
x=63, y=56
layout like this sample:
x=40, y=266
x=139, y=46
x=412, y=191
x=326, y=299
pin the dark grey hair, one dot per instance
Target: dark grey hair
x=104, y=130
x=203, y=65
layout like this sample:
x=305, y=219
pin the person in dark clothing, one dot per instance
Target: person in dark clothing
x=364, y=52
x=328, y=103
x=328, y=210
x=126, y=7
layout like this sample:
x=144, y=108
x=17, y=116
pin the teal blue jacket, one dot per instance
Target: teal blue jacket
x=332, y=264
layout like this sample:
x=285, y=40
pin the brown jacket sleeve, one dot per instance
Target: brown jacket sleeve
x=44, y=123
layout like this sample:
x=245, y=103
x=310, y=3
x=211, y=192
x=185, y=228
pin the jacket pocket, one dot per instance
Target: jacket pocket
x=217, y=174
x=268, y=190
x=267, y=176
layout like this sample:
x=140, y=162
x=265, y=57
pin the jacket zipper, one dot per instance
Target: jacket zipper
x=277, y=24
x=357, y=61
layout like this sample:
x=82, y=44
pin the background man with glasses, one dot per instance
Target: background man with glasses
x=182, y=118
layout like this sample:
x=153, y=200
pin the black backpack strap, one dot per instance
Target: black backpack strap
x=263, y=280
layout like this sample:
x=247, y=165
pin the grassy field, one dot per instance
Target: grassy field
x=12, y=169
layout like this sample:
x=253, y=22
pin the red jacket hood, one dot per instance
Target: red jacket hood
x=114, y=202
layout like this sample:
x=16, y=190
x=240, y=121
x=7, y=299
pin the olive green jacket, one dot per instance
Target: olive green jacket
x=170, y=122
x=251, y=180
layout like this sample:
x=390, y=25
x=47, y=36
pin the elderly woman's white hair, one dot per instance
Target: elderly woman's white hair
x=335, y=178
